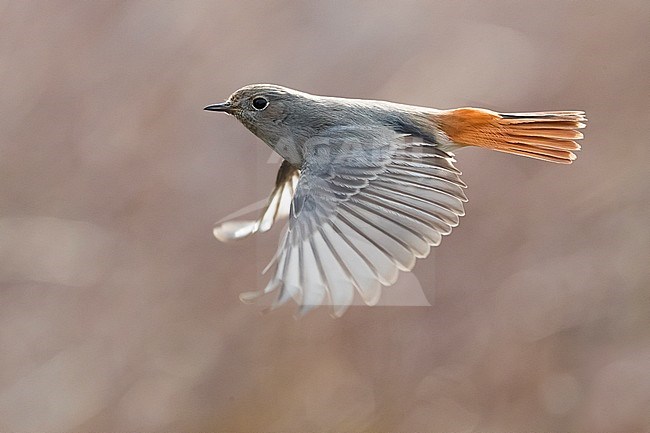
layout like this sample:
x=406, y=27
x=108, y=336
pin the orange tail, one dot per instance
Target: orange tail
x=549, y=136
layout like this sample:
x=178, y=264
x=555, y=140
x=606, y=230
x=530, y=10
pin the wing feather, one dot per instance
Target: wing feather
x=397, y=250
x=276, y=208
x=339, y=285
x=358, y=270
x=428, y=231
x=311, y=279
x=362, y=213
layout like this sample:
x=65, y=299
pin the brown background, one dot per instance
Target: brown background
x=119, y=311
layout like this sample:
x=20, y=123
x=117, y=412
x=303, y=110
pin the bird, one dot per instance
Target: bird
x=370, y=186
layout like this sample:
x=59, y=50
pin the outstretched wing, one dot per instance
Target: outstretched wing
x=367, y=204
x=277, y=207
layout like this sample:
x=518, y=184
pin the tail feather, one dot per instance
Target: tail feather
x=549, y=136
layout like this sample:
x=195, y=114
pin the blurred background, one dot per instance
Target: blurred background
x=119, y=311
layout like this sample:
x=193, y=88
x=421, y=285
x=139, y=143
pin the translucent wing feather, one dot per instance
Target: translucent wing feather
x=276, y=208
x=368, y=203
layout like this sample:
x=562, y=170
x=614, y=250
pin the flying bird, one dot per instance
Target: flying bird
x=370, y=186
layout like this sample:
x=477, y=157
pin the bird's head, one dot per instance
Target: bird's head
x=285, y=119
x=266, y=110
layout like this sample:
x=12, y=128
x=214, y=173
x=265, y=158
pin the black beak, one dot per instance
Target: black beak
x=224, y=106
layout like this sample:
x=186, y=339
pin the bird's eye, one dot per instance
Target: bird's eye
x=260, y=103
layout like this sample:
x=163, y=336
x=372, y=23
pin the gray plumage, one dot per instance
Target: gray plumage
x=373, y=188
